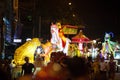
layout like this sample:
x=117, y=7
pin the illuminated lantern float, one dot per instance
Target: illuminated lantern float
x=80, y=38
x=27, y=49
x=108, y=46
x=30, y=48
x=58, y=42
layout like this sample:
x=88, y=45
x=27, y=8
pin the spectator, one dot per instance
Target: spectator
x=112, y=67
x=12, y=68
x=96, y=69
x=103, y=69
x=66, y=69
x=28, y=68
x=90, y=66
x=78, y=69
x=3, y=75
x=53, y=69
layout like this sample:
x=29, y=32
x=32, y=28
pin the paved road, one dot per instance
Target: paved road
x=117, y=76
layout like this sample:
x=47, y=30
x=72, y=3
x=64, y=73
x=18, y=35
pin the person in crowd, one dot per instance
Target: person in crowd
x=90, y=66
x=3, y=74
x=103, y=69
x=6, y=68
x=12, y=67
x=64, y=68
x=96, y=68
x=28, y=68
x=112, y=68
x=53, y=69
x=78, y=68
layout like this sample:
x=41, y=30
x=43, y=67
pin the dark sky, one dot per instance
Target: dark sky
x=99, y=16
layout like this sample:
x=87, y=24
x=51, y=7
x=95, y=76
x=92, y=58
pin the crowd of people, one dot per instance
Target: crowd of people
x=62, y=67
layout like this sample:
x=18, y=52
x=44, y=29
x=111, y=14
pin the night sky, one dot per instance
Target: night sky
x=99, y=16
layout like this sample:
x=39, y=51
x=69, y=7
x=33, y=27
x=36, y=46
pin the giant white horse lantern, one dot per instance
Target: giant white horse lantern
x=58, y=40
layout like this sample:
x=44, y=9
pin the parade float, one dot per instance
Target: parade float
x=58, y=40
x=80, y=39
x=27, y=49
x=34, y=48
x=109, y=47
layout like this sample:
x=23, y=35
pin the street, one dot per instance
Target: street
x=117, y=76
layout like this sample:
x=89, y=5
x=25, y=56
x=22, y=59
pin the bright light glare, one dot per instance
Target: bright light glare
x=17, y=40
x=73, y=15
x=28, y=39
x=70, y=3
x=38, y=50
x=94, y=41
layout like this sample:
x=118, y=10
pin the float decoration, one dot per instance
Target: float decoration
x=108, y=46
x=80, y=38
x=27, y=49
x=58, y=40
x=69, y=29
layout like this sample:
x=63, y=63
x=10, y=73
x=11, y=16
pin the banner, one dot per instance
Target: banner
x=68, y=29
